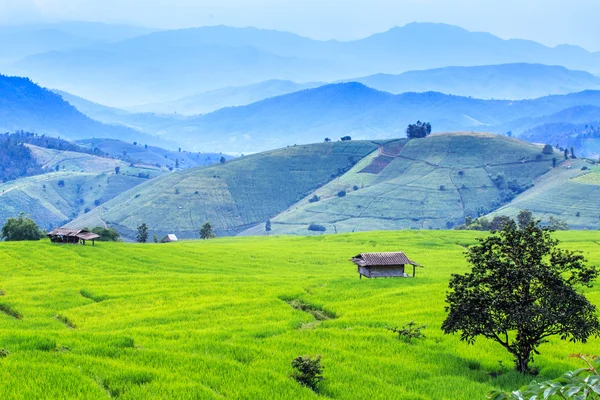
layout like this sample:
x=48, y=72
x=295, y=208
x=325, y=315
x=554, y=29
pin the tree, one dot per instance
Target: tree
x=268, y=226
x=548, y=149
x=117, y=170
x=554, y=160
x=206, y=232
x=155, y=238
x=142, y=233
x=177, y=163
x=566, y=154
x=327, y=140
x=346, y=138
x=19, y=229
x=418, y=130
x=520, y=291
x=222, y=160
x=573, y=152
x=498, y=222
x=557, y=224
x=524, y=218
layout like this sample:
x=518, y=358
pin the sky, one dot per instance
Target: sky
x=550, y=22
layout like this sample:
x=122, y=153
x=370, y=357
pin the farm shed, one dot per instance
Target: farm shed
x=384, y=265
x=72, y=236
x=169, y=238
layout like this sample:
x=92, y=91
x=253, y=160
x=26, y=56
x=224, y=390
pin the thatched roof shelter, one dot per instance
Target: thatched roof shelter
x=384, y=265
x=72, y=236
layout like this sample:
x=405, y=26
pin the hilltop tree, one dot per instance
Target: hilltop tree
x=346, y=138
x=20, y=229
x=327, y=140
x=418, y=130
x=206, y=232
x=520, y=291
x=548, y=149
x=142, y=233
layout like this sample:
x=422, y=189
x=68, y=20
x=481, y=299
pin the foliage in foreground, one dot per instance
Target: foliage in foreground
x=19, y=229
x=521, y=290
x=583, y=383
x=308, y=371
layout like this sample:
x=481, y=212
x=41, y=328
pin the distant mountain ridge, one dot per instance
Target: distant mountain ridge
x=182, y=59
x=506, y=81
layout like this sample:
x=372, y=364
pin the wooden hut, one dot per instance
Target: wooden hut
x=72, y=236
x=384, y=265
x=169, y=238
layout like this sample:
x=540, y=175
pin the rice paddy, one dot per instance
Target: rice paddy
x=224, y=318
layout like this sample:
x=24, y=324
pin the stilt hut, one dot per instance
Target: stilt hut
x=72, y=236
x=384, y=265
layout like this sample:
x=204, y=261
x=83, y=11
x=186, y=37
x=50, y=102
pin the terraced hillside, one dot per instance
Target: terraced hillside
x=431, y=183
x=233, y=196
x=570, y=193
x=81, y=183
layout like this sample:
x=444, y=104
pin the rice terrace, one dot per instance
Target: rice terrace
x=213, y=319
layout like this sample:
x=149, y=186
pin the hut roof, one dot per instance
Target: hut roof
x=382, y=259
x=170, y=238
x=79, y=233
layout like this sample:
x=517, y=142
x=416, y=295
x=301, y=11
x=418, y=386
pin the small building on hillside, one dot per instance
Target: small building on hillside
x=72, y=236
x=169, y=238
x=384, y=265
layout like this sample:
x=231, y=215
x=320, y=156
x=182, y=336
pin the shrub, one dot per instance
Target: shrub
x=354, y=187
x=442, y=187
x=4, y=353
x=408, y=331
x=346, y=138
x=308, y=371
x=316, y=228
x=314, y=199
x=61, y=183
x=342, y=193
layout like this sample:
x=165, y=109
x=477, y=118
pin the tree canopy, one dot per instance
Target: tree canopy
x=142, y=233
x=418, y=130
x=206, y=232
x=520, y=291
x=19, y=229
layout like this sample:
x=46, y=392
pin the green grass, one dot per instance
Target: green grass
x=224, y=318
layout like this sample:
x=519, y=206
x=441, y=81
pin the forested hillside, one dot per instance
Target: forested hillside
x=16, y=160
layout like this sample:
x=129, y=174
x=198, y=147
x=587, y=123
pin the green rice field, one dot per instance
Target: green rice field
x=212, y=320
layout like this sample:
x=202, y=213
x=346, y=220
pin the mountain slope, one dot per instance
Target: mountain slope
x=81, y=182
x=233, y=196
x=29, y=107
x=181, y=60
x=506, y=81
x=431, y=183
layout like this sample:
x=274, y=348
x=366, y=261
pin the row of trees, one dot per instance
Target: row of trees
x=206, y=232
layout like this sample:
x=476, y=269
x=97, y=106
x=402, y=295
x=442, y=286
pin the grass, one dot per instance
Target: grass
x=213, y=319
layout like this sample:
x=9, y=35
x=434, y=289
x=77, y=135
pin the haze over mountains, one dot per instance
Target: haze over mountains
x=190, y=61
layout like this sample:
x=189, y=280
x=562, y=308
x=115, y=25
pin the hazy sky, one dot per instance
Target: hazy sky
x=547, y=21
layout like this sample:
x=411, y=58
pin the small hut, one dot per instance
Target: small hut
x=72, y=236
x=384, y=265
x=169, y=238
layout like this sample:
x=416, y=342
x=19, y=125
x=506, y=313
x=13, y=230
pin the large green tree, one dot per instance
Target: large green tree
x=20, y=228
x=522, y=290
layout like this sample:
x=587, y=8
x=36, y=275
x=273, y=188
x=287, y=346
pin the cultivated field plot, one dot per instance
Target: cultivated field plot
x=211, y=320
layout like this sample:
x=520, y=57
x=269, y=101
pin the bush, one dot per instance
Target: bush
x=316, y=228
x=308, y=371
x=409, y=331
x=20, y=229
x=442, y=188
x=346, y=138
x=342, y=193
x=107, y=234
x=314, y=199
x=548, y=149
